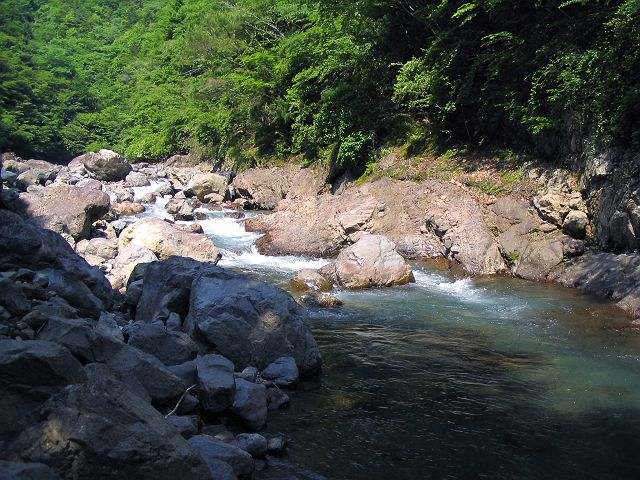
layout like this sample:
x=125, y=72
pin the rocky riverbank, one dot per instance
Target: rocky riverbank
x=578, y=230
x=125, y=352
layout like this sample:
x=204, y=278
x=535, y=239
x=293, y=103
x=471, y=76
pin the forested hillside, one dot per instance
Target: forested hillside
x=249, y=80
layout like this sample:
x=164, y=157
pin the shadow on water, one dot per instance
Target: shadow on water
x=446, y=406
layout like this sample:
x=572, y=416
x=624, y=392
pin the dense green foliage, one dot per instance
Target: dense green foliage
x=246, y=80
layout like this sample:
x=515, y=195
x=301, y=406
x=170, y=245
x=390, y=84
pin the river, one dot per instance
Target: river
x=457, y=378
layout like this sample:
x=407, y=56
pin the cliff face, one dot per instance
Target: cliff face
x=610, y=183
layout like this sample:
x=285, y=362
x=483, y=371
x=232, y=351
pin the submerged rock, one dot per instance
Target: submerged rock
x=308, y=279
x=26, y=471
x=224, y=460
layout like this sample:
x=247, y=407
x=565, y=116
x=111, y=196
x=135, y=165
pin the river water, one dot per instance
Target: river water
x=457, y=378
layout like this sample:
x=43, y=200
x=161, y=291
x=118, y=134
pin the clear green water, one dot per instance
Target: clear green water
x=490, y=378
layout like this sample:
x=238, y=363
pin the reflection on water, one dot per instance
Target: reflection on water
x=457, y=378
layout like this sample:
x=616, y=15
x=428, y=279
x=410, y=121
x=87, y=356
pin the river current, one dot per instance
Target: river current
x=456, y=378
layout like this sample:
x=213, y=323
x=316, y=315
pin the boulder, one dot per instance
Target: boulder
x=65, y=209
x=30, y=373
x=280, y=470
x=252, y=443
x=250, y=403
x=101, y=429
x=267, y=187
x=606, y=275
x=308, y=279
x=186, y=371
x=159, y=382
x=86, y=344
x=220, y=455
x=187, y=426
x=552, y=207
x=104, y=248
x=38, y=172
x=12, y=298
x=249, y=321
x=119, y=192
x=216, y=382
x=171, y=347
x=166, y=289
x=129, y=257
x=283, y=372
x=106, y=165
x=372, y=261
x=74, y=291
x=276, y=398
x=575, y=223
x=137, y=179
x=128, y=209
x=26, y=471
x=203, y=184
x=165, y=240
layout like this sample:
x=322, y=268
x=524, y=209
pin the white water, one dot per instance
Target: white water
x=238, y=248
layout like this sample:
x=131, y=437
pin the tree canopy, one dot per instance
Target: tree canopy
x=245, y=81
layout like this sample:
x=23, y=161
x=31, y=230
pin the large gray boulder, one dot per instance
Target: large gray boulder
x=221, y=456
x=100, y=429
x=65, y=209
x=166, y=288
x=87, y=344
x=216, y=382
x=105, y=165
x=372, y=261
x=248, y=321
x=171, y=347
x=160, y=383
x=250, y=403
x=74, y=291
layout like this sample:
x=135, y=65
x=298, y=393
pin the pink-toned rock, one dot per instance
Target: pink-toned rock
x=372, y=261
x=66, y=209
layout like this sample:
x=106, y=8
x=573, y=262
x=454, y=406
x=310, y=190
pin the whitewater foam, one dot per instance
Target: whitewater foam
x=253, y=258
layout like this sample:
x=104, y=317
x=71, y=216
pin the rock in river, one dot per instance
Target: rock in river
x=166, y=240
x=248, y=321
x=372, y=261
